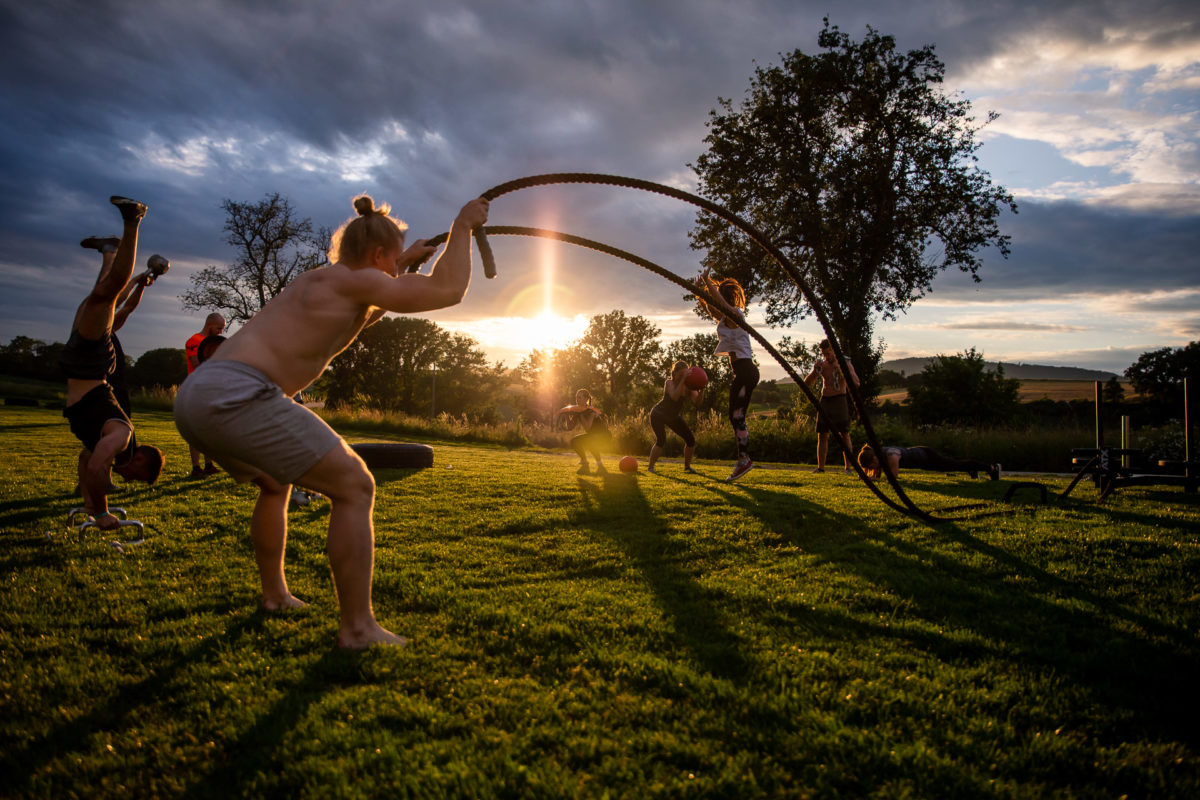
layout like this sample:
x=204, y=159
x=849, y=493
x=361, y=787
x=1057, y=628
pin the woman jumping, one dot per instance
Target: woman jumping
x=735, y=343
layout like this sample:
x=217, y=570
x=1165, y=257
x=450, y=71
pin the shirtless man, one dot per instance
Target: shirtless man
x=237, y=405
x=836, y=418
x=95, y=416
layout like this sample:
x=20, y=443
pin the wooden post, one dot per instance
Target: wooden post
x=1126, y=441
x=1099, y=416
x=1189, y=441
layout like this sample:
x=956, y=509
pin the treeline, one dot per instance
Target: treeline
x=24, y=357
x=414, y=366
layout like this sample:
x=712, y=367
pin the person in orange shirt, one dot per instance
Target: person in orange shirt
x=214, y=323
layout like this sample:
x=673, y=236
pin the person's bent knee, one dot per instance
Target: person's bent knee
x=353, y=482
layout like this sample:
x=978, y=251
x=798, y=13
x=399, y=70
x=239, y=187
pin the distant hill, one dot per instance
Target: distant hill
x=1022, y=372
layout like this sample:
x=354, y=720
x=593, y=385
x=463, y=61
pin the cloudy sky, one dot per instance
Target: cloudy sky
x=425, y=105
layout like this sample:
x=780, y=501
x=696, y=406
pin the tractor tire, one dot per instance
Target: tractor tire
x=394, y=455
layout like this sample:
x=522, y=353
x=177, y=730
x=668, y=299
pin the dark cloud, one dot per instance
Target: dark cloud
x=185, y=104
x=1009, y=325
x=1064, y=249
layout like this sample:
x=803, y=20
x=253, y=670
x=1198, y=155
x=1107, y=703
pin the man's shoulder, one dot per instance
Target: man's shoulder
x=195, y=339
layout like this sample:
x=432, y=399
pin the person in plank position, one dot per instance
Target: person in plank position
x=237, y=406
x=96, y=417
x=920, y=457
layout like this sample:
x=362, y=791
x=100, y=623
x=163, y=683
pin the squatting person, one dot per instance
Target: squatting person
x=237, y=406
x=666, y=414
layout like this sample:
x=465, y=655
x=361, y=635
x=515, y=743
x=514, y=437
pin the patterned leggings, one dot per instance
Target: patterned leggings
x=745, y=378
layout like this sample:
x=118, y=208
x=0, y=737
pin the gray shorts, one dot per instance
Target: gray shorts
x=234, y=414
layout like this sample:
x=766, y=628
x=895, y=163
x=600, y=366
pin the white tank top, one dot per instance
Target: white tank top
x=734, y=341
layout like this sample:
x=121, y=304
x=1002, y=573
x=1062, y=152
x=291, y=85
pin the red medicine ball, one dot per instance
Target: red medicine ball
x=695, y=379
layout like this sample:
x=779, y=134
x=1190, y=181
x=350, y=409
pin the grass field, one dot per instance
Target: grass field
x=584, y=636
x=1033, y=390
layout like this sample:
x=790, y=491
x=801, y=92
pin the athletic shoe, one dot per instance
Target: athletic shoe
x=157, y=265
x=994, y=472
x=131, y=210
x=973, y=473
x=740, y=469
x=848, y=471
x=105, y=244
x=690, y=471
x=583, y=470
x=651, y=470
x=818, y=469
x=196, y=472
x=211, y=469
x=299, y=497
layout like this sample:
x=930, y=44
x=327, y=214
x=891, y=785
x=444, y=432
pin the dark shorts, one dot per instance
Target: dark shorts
x=88, y=359
x=836, y=418
x=93, y=411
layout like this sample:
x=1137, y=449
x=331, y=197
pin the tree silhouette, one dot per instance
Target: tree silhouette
x=273, y=246
x=862, y=170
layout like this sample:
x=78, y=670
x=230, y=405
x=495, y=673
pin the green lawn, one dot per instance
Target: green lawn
x=629, y=636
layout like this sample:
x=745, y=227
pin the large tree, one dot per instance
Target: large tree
x=273, y=246
x=1159, y=374
x=384, y=365
x=862, y=170
x=961, y=389
x=627, y=357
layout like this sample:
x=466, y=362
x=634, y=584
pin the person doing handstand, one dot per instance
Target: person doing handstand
x=595, y=434
x=118, y=377
x=920, y=457
x=666, y=414
x=237, y=406
x=88, y=359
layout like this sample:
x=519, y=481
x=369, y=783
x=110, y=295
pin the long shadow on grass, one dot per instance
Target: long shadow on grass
x=158, y=687
x=618, y=510
x=1017, y=611
x=253, y=752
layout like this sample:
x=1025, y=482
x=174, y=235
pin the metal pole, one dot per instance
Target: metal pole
x=1099, y=416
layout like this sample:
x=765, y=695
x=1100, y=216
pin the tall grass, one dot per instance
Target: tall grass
x=1035, y=447
x=782, y=439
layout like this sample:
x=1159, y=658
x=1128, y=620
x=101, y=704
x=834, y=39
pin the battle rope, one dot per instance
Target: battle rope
x=485, y=252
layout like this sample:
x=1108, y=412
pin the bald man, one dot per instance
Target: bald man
x=214, y=324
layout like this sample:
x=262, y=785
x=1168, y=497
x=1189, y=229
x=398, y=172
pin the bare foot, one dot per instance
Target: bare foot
x=359, y=640
x=288, y=601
